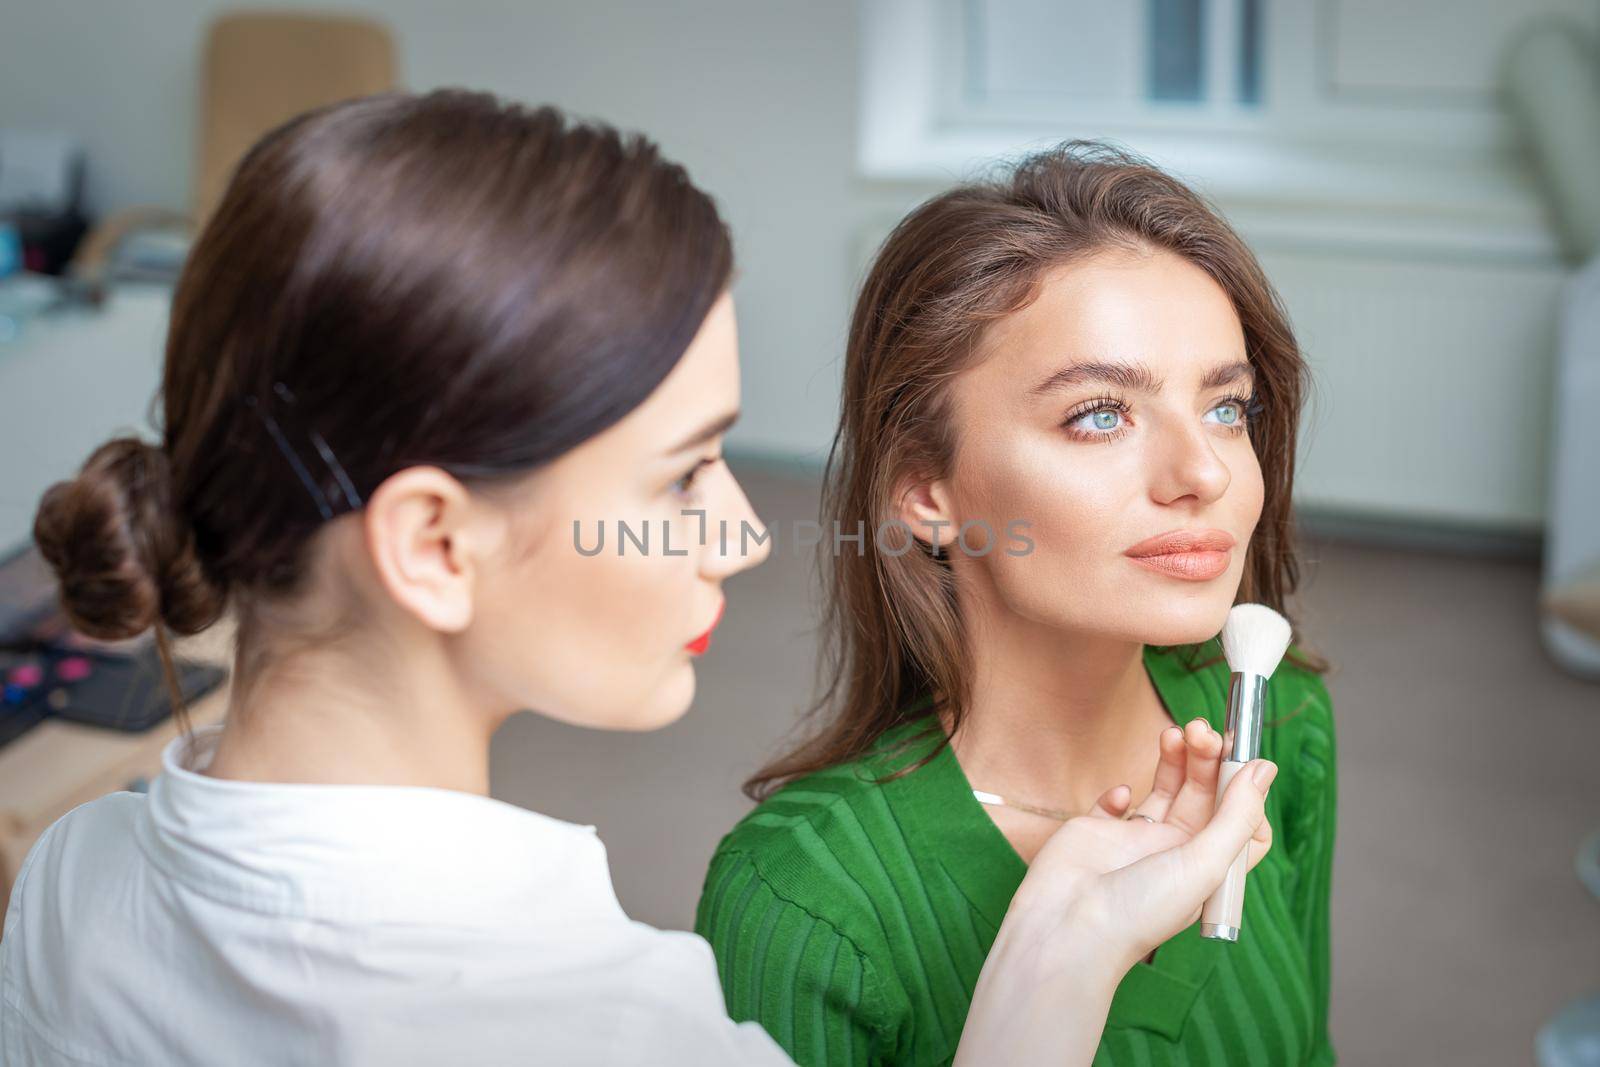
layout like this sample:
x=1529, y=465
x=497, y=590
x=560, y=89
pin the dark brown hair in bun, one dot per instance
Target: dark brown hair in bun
x=124, y=555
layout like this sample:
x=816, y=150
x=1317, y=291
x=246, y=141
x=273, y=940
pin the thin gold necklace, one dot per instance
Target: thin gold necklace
x=996, y=800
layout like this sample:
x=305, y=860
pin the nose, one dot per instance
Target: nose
x=1186, y=465
x=748, y=541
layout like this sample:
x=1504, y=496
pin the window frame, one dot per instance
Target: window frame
x=1450, y=163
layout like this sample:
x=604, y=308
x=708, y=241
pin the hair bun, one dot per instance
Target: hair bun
x=123, y=554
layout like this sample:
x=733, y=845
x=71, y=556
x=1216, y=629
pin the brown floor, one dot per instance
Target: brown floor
x=1467, y=778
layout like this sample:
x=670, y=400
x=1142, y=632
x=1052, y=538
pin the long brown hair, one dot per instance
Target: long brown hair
x=388, y=282
x=893, y=640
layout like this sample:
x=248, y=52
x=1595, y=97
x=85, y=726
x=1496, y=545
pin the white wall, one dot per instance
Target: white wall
x=756, y=98
x=1431, y=338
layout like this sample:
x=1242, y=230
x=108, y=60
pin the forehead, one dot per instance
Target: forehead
x=706, y=380
x=1150, y=307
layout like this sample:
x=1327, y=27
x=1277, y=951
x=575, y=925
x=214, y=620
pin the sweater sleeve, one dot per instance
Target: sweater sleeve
x=792, y=971
x=1311, y=843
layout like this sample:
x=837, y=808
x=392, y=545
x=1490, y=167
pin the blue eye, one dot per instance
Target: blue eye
x=1103, y=419
x=1235, y=412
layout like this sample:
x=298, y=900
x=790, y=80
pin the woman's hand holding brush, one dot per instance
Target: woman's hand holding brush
x=1107, y=888
x=1146, y=883
x=1181, y=801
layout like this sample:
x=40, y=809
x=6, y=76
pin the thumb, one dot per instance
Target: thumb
x=1211, y=851
x=1112, y=803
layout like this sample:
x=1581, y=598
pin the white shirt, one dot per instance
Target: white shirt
x=223, y=922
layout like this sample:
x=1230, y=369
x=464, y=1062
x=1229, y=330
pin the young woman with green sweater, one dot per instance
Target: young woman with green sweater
x=1083, y=355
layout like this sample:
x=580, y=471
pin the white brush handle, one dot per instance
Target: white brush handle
x=1223, y=912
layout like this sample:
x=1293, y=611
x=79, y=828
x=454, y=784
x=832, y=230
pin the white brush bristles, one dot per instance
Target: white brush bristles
x=1254, y=639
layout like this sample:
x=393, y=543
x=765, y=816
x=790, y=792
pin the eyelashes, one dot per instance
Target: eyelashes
x=685, y=485
x=1249, y=409
x=1098, y=405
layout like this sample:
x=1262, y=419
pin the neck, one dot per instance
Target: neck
x=1056, y=717
x=329, y=716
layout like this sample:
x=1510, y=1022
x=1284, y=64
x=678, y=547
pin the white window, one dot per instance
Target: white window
x=1142, y=63
x=1381, y=107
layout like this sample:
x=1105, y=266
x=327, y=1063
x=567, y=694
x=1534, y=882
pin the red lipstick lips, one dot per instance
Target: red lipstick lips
x=699, y=645
x=1193, y=555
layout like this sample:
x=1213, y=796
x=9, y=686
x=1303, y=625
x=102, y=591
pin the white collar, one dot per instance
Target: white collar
x=366, y=853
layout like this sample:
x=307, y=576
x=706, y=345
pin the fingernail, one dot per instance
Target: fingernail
x=1264, y=773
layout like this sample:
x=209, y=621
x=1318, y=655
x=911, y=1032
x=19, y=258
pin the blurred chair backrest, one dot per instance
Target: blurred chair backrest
x=262, y=68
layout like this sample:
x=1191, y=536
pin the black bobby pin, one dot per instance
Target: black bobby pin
x=326, y=507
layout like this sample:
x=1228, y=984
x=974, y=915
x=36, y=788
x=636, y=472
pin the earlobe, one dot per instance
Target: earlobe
x=418, y=538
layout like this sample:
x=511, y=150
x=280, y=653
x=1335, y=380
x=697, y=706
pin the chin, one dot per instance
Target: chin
x=638, y=708
x=667, y=703
x=1186, y=620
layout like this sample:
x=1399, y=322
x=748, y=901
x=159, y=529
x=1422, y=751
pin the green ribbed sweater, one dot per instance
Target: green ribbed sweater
x=851, y=918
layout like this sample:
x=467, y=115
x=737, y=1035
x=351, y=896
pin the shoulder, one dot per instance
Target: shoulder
x=819, y=844
x=793, y=909
x=830, y=806
x=839, y=810
x=80, y=845
x=60, y=892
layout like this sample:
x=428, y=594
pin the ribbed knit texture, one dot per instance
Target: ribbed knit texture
x=851, y=918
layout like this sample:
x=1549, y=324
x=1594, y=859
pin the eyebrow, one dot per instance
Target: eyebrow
x=1135, y=377
x=705, y=433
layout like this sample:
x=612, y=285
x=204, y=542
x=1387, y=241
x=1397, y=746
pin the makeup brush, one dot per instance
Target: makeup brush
x=1254, y=640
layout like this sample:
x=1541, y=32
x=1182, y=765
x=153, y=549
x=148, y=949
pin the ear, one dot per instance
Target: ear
x=924, y=505
x=421, y=539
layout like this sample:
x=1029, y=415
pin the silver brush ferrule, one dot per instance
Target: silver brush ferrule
x=1247, y=702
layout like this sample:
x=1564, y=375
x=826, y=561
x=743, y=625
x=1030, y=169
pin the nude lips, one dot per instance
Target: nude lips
x=698, y=646
x=1191, y=555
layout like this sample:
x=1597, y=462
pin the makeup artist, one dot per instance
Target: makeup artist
x=420, y=338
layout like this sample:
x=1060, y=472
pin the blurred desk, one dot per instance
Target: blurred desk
x=73, y=379
x=58, y=765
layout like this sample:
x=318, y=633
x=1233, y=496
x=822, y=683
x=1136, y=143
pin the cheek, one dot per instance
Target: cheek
x=596, y=640
x=1075, y=502
x=1073, y=505
x=1247, y=491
